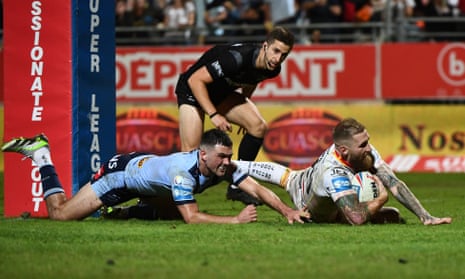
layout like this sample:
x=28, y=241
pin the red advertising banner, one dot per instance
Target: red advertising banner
x=323, y=73
x=309, y=73
x=1, y=75
x=423, y=71
x=37, y=95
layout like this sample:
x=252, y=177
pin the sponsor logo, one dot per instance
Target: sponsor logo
x=141, y=162
x=153, y=74
x=147, y=130
x=341, y=183
x=297, y=138
x=422, y=137
x=338, y=172
x=178, y=180
x=219, y=71
x=451, y=64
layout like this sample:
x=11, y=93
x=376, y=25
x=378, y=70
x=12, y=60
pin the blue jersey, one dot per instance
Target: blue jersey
x=127, y=176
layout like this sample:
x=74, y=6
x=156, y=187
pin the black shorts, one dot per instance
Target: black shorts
x=217, y=99
x=217, y=96
x=116, y=163
x=109, y=183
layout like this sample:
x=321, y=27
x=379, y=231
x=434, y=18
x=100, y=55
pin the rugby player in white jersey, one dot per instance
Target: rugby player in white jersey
x=319, y=189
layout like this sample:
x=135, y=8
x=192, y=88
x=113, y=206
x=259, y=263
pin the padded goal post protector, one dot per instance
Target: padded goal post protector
x=59, y=79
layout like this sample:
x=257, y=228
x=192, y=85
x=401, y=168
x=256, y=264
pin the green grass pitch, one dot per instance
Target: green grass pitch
x=270, y=248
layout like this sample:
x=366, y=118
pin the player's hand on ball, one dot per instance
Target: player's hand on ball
x=248, y=214
x=382, y=192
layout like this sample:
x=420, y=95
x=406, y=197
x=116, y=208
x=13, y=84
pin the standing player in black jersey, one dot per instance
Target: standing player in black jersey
x=220, y=84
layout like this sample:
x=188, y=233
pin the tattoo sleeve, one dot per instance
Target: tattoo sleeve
x=401, y=192
x=353, y=211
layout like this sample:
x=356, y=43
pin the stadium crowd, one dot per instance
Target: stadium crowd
x=176, y=20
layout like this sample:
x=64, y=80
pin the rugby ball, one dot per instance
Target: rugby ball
x=365, y=186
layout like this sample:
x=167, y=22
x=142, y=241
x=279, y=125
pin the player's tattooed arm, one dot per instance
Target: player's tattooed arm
x=402, y=193
x=355, y=213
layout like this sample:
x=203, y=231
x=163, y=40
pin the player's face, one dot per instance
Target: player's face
x=359, y=150
x=275, y=54
x=218, y=159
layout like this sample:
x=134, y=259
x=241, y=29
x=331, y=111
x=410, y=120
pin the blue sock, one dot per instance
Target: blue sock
x=50, y=182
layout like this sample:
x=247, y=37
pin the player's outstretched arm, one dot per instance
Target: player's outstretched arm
x=404, y=195
x=191, y=215
x=264, y=194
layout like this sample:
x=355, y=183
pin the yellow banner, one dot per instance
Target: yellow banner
x=298, y=132
x=394, y=129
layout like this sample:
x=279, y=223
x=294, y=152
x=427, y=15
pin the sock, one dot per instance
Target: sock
x=248, y=150
x=50, y=182
x=249, y=147
x=142, y=211
x=42, y=157
x=266, y=171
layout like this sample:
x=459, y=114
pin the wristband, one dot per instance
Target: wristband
x=213, y=114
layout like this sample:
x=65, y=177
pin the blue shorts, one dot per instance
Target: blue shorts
x=109, y=182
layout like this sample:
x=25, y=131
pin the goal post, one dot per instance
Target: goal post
x=59, y=79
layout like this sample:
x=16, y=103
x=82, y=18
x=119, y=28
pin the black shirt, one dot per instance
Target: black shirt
x=231, y=67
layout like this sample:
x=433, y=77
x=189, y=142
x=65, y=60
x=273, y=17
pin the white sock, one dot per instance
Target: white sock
x=292, y=173
x=42, y=157
x=264, y=171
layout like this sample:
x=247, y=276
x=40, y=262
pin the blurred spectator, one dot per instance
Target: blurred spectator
x=439, y=8
x=291, y=15
x=398, y=13
x=137, y=13
x=251, y=12
x=355, y=10
x=217, y=14
x=461, y=25
x=281, y=10
x=145, y=13
x=123, y=12
x=180, y=21
x=299, y=18
x=461, y=7
x=323, y=11
x=398, y=9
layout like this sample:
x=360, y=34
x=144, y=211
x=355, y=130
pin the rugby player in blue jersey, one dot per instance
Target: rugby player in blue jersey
x=173, y=180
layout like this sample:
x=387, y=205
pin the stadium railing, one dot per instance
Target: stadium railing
x=412, y=29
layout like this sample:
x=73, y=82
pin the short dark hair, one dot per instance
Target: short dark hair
x=281, y=34
x=346, y=129
x=213, y=137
